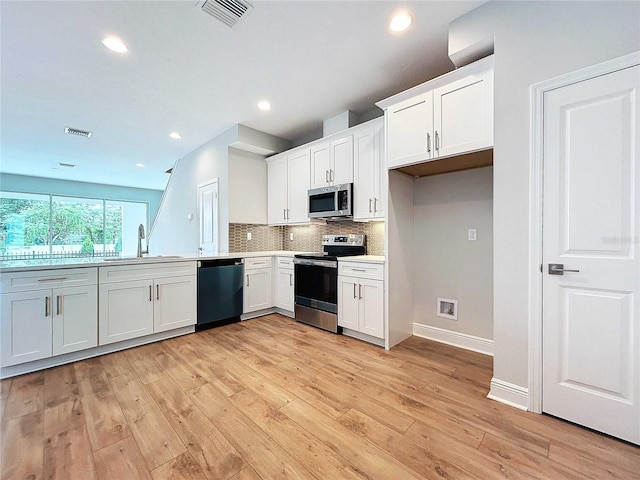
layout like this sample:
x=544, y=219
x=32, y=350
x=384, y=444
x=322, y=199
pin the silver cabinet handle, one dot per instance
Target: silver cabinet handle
x=157, y=292
x=331, y=175
x=359, y=291
x=369, y=205
x=358, y=270
x=375, y=204
x=291, y=279
x=354, y=291
x=287, y=214
x=428, y=142
x=284, y=213
x=58, y=304
x=247, y=280
x=46, y=306
x=437, y=141
x=558, y=269
x=150, y=296
x=53, y=279
x=326, y=176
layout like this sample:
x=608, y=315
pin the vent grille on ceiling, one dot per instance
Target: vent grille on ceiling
x=229, y=12
x=78, y=132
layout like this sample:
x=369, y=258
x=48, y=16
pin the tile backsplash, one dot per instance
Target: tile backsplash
x=306, y=238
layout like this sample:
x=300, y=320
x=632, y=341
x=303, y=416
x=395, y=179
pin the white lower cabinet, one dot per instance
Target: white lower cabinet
x=140, y=300
x=361, y=298
x=284, y=285
x=257, y=284
x=47, y=313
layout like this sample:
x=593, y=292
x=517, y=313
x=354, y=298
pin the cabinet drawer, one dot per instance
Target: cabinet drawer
x=42, y=279
x=284, y=262
x=257, y=262
x=125, y=273
x=374, y=271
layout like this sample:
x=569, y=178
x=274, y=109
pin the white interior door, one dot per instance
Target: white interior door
x=591, y=319
x=208, y=215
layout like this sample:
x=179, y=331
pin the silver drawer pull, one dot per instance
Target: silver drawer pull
x=52, y=279
x=58, y=304
x=46, y=306
x=358, y=270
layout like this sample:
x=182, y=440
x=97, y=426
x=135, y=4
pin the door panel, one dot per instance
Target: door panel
x=299, y=168
x=125, y=311
x=591, y=321
x=410, y=130
x=348, y=303
x=320, y=165
x=75, y=319
x=342, y=161
x=175, y=303
x=208, y=209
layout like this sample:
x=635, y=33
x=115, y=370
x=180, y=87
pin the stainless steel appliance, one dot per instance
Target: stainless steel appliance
x=334, y=202
x=316, y=280
x=220, y=283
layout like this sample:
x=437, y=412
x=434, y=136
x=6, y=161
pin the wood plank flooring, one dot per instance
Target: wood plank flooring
x=273, y=399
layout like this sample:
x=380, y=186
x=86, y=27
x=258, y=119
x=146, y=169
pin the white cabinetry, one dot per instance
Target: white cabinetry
x=284, y=284
x=257, y=284
x=369, y=183
x=141, y=300
x=46, y=313
x=361, y=299
x=288, y=184
x=448, y=116
x=332, y=161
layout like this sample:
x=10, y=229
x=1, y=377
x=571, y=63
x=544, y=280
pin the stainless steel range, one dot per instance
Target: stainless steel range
x=316, y=280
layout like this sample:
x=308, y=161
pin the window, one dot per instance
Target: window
x=34, y=226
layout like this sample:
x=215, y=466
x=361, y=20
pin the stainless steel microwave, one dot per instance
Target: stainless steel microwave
x=331, y=202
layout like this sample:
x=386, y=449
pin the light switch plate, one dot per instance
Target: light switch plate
x=472, y=234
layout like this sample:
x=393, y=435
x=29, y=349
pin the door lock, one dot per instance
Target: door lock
x=558, y=269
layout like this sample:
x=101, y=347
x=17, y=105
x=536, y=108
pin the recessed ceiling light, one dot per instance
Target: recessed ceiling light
x=264, y=105
x=115, y=44
x=175, y=135
x=140, y=165
x=400, y=22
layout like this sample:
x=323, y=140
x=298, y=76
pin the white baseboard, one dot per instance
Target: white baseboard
x=510, y=394
x=461, y=340
x=363, y=336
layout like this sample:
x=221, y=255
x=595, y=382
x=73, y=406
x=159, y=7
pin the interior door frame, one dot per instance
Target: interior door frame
x=216, y=226
x=536, y=175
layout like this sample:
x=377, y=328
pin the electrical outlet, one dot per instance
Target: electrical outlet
x=472, y=234
x=291, y=236
x=248, y=235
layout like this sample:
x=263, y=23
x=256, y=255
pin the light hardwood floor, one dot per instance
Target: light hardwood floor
x=270, y=398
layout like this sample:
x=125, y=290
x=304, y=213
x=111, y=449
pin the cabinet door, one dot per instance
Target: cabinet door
x=463, y=115
x=410, y=131
x=348, y=302
x=125, y=311
x=175, y=303
x=298, y=186
x=371, y=320
x=257, y=290
x=381, y=174
x=364, y=177
x=320, y=165
x=75, y=319
x=277, y=191
x=341, y=168
x=25, y=326
x=284, y=289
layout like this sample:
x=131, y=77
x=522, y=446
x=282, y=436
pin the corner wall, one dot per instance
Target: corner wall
x=534, y=41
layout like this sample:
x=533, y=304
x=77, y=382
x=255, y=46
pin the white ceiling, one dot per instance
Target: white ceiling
x=189, y=73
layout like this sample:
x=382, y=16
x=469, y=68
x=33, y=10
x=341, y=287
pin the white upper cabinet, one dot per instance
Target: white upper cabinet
x=288, y=185
x=369, y=171
x=332, y=161
x=447, y=116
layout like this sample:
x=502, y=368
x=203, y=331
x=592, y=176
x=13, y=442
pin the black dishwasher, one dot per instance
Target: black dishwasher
x=220, y=298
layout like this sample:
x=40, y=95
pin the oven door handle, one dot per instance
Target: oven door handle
x=315, y=263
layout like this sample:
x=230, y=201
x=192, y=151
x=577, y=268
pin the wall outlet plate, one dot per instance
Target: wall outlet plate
x=472, y=234
x=248, y=235
x=291, y=236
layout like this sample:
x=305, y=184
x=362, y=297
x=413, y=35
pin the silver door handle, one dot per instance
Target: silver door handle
x=291, y=279
x=288, y=214
x=375, y=204
x=359, y=291
x=437, y=141
x=354, y=291
x=46, y=306
x=428, y=143
x=157, y=292
x=331, y=175
x=284, y=213
x=326, y=176
x=247, y=280
x=58, y=304
x=369, y=205
x=558, y=269
x=150, y=294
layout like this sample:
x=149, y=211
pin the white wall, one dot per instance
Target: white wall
x=446, y=263
x=534, y=41
x=173, y=232
x=247, y=187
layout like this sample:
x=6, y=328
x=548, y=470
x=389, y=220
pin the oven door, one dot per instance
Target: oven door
x=316, y=286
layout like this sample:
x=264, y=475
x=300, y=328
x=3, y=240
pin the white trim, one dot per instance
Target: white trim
x=456, y=339
x=380, y=342
x=36, y=365
x=536, y=183
x=163, y=198
x=509, y=394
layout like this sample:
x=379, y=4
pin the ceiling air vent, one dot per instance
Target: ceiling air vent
x=229, y=12
x=66, y=165
x=75, y=131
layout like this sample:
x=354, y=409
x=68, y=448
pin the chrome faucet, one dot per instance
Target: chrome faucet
x=140, y=237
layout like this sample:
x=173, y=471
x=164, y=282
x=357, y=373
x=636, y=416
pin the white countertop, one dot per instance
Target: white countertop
x=363, y=259
x=59, y=263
